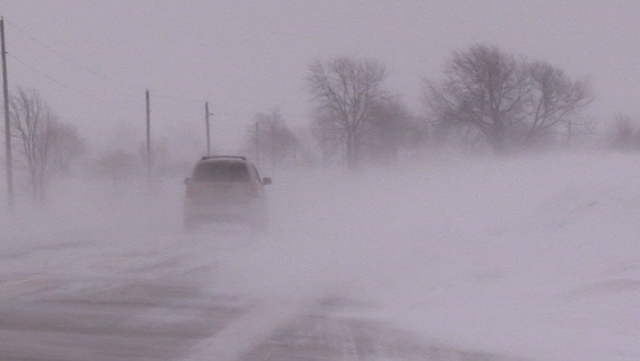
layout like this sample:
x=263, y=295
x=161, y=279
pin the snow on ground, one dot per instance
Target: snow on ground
x=529, y=256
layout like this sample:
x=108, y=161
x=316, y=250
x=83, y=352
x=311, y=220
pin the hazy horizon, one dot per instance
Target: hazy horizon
x=93, y=60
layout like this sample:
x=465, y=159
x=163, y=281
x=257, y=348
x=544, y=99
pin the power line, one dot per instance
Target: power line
x=114, y=82
x=59, y=54
x=48, y=77
x=118, y=85
x=62, y=84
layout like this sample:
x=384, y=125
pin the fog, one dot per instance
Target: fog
x=532, y=257
x=426, y=224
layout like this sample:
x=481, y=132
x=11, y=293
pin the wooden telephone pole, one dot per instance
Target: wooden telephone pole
x=7, y=123
x=148, y=136
x=257, y=143
x=207, y=125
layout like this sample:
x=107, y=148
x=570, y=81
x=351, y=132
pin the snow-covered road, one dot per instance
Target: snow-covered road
x=523, y=258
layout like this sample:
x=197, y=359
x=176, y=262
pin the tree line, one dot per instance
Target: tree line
x=486, y=100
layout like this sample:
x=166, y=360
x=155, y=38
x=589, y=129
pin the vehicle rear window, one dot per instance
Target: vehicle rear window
x=221, y=172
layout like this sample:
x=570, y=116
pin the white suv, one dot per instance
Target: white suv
x=225, y=189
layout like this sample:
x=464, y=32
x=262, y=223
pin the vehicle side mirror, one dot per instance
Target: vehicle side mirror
x=187, y=180
x=266, y=181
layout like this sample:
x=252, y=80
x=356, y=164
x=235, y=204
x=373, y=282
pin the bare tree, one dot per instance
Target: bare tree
x=345, y=91
x=68, y=146
x=272, y=138
x=485, y=88
x=396, y=128
x=626, y=133
x=33, y=126
x=507, y=99
x=554, y=99
x=328, y=137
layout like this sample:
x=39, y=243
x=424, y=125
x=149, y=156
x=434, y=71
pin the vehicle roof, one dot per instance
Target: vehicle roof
x=228, y=158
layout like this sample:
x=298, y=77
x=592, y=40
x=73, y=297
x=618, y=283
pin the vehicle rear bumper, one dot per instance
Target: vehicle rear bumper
x=224, y=213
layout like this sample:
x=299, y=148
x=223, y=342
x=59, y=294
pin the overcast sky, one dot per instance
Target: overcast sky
x=92, y=60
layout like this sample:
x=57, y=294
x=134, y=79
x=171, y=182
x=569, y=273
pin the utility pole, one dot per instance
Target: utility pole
x=7, y=123
x=295, y=152
x=206, y=117
x=257, y=143
x=148, y=136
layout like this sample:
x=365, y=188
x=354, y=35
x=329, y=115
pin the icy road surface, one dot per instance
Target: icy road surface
x=532, y=258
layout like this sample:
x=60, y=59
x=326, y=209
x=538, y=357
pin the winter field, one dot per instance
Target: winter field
x=529, y=257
